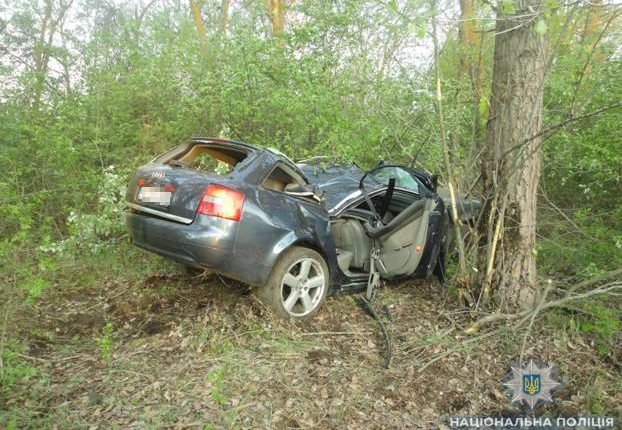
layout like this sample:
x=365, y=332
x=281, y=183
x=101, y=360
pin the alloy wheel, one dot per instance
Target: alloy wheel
x=302, y=287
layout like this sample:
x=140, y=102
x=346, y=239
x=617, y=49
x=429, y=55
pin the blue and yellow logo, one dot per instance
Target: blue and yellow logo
x=531, y=384
x=535, y=382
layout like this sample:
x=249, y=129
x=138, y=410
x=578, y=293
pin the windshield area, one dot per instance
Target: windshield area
x=403, y=178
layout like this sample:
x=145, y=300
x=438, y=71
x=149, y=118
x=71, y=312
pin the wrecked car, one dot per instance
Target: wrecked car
x=297, y=232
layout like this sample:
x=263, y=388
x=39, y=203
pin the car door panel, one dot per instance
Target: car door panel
x=401, y=248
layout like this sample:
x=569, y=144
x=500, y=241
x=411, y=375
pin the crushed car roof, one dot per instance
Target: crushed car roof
x=337, y=182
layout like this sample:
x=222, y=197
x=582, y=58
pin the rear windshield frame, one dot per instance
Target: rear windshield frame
x=231, y=150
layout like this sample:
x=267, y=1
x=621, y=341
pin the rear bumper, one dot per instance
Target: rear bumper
x=208, y=243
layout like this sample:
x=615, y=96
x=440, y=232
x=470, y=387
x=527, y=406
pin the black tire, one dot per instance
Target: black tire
x=290, y=292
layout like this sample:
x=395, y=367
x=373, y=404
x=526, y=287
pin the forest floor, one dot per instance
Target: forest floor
x=166, y=350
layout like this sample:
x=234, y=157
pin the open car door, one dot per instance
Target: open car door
x=400, y=240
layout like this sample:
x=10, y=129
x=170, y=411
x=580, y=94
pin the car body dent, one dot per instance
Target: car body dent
x=293, y=221
x=271, y=221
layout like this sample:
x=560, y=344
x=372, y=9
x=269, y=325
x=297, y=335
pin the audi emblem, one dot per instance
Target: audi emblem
x=157, y=175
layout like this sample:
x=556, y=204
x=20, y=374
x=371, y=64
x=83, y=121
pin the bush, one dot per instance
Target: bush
x=94, y=232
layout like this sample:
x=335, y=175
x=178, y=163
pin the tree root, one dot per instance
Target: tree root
x=613, y=288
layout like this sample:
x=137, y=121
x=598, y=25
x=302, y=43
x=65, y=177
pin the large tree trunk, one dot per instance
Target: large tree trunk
x=511, y=159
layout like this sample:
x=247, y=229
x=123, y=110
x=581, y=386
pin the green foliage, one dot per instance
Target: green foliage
x=34, y=287
x=93, y=232
x=145, y=87
x=541, y=27
x=15, y=369
x=351, y=81
x=106, y=343
x=602, y=322
x=592, y=246
x=12, y=424
x=217, y=385
x=507, y=6
x=595, y=394
x=581, y=174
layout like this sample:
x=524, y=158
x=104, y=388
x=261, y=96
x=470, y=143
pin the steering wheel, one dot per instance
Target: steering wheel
x=378, y=215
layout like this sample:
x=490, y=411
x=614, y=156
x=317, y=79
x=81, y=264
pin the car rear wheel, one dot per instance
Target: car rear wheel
x=297, y=285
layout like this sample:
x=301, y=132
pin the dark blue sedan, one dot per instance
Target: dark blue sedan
x=297, y=232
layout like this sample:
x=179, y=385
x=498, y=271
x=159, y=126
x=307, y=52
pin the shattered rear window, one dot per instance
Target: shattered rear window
x=208, y=158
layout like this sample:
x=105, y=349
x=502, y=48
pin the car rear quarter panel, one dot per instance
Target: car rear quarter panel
x=272, y=222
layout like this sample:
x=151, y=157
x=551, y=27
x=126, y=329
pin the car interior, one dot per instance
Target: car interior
x=280, y=178
x=399, y=237
x=284, y=180
x=209, y=158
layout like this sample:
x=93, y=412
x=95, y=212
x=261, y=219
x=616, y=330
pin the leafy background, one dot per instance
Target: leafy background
x=352, y=80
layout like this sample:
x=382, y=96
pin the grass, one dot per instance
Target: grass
x=596, y=321
x=215, y=379
x=132, y=342
x=105, y=343
x=15, y=369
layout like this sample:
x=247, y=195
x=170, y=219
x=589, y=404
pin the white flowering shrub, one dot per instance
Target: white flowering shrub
x=93, y=232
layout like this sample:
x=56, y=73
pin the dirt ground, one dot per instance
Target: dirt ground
x=194, y=352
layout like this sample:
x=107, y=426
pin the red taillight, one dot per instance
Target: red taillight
x=141, y=182
x=222, y=202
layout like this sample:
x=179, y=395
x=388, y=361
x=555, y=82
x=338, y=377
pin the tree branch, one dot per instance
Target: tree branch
x=549, y=131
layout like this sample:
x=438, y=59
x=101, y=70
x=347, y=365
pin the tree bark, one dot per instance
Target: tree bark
x=40, y=57
x=276, y=13
x=593, y=21
x=223, y=21
x=43, y=46
x=195, y=8
x=510, y=177
x=468, y=38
